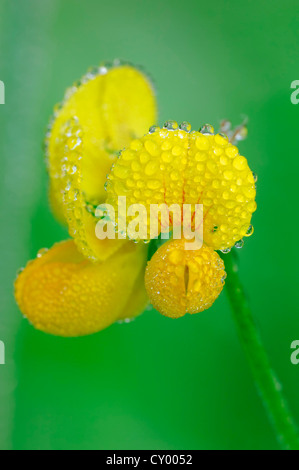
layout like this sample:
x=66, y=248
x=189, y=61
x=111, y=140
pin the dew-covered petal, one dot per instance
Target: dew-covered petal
x=79, y=214
x=180, y=281
x=172, y=165
x=113, y=105
x=64, y=294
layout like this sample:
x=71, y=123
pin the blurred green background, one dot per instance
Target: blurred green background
x=155, y=383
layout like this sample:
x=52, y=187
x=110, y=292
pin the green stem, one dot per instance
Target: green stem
x=264, y=377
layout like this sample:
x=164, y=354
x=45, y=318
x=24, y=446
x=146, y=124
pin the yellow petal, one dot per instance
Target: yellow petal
x=175, y=166
x=56, y=205
x=129, y=106
x=180, y=281
x=113, y=105
x=64, y=294
x=79, y=214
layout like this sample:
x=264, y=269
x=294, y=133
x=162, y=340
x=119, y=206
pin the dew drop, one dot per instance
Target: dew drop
x=125, y=320
x=153, y=129
x=42, y=252
x=223, y=278
x=222, y=134
x=250, y=231
x=90, y=208
x=239, y=244
x=77, y=83
x=225, y=251
x=185, y=126
x=171, y=125
x=150, y=168
x=93, y=71
x=57, y=108
x=207, y=129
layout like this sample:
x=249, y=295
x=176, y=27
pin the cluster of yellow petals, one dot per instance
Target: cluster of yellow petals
x=83, y=285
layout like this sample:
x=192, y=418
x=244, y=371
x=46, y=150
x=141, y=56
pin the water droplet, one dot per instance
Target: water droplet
x=119, y=62
x=171, y=125
x=223, y=278
x=239, y=244
x=250, y=231
x=207, y=129
x=93, y=71
x=225, y=251
x=57, y=108
x=240, y=163
x=90, y=208
x=153, y=129
x=185, y=126
x=125, y=320
x=77, y=83
x=69, y=93
x=42, y=252
x=222, y=134
x=108, y=64
x=150, y=168
x=255, y=177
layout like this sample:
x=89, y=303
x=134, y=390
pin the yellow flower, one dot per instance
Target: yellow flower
x=80, y=288
x=83, y=285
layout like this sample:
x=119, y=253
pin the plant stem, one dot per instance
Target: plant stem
x=266, y=382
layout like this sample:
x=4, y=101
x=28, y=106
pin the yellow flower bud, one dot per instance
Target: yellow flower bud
x=180, y=281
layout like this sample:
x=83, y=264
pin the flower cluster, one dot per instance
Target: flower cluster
x=83, y=285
